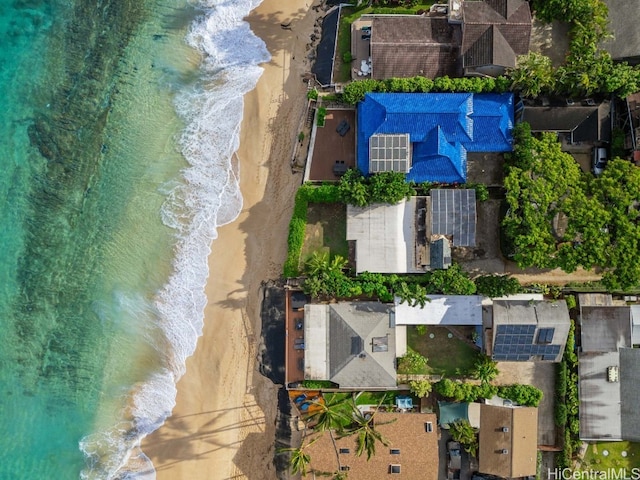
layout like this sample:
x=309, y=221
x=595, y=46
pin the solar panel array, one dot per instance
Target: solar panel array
x=514, y=343
x=545, y=335
x=453, y=212
x=389, y=153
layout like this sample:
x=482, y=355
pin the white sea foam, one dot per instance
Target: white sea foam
x=208, y=197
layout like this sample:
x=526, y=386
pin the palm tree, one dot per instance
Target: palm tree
x=364, y=427
x=462, y=431
x=338, y=264
x=330, y=416
x=403, y=292
x=485, y=369
x=420, y=296
x=318, y=263
x=299, y=460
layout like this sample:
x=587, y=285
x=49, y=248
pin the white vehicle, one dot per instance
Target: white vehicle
x=598, y=160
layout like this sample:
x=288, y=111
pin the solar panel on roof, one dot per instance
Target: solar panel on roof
x=453, y=212
x=389, y=152
x=545, y=335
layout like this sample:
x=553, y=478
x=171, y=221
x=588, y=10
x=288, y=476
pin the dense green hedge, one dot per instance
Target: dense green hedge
x=497, y=285
x=355, y=91
x=526, y=395
x=482, y=192
x=464, y=392
x=567, y=402
x=588, y=69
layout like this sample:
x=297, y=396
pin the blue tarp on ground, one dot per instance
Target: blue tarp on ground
x=404, y=402
x=442, y=127
x=452, y=411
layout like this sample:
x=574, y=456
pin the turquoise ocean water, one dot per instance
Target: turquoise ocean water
x=118, y=125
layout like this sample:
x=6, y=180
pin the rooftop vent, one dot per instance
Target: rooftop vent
x=505, y=429
x=504, y=451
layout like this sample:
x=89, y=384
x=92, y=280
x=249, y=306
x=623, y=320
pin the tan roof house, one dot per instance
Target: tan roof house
x=412, y=452
x=508, y=441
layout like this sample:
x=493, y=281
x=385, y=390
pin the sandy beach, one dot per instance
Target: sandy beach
x=223, y=424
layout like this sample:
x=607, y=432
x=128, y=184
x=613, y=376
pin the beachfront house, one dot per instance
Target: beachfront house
x=427, y=135
x=413, y=236
x=402, y=46
x=412, y=451
x=352, y=344
x=465, y=38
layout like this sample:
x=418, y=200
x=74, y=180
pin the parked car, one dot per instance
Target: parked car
x=598, y=160
x=454, y=462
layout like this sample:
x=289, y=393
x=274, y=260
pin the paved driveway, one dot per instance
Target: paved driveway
x=542, y=376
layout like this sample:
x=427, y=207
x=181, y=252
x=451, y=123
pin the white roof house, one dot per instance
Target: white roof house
x=441, y=310
x=385, y=237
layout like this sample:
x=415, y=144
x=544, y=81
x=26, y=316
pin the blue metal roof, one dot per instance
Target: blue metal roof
x=442, y=127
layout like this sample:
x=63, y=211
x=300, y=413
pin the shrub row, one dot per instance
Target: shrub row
x=526, y=395
x=354, y=92
x=567, y=402
x=464, y=392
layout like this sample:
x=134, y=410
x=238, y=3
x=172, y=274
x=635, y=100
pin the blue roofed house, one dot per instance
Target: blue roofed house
x=427, y=135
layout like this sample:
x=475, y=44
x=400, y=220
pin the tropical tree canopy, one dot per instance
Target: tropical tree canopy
x=561, y=217
x=485, y=369
x=363, y=426
x=462, y=431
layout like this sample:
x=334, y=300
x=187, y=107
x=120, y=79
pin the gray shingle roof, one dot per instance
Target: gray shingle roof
x=630, y=393
x=605, y=329
x=623, y=22
x=599, y=399
x=585, y=124
x=344, y=343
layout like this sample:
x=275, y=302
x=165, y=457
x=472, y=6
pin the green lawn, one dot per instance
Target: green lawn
x=349, y=15
x=447, y=356
x=595, y=460
x=363, y=398
x=326, y=230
